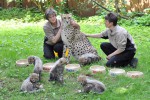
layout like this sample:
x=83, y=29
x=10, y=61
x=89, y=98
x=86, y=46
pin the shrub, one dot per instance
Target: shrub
x=24, y=15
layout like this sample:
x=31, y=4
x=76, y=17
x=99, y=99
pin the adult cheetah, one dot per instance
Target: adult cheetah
x=78, y=44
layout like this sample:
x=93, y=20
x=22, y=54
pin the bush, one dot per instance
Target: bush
x=24, y=15
x=34, y=15
x=142, y=20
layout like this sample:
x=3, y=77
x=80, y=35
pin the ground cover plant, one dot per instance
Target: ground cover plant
x=19, y=40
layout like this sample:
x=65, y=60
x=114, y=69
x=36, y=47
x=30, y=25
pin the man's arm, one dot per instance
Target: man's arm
x=98, y=35
x=94, y=35
x=118, y=51
x=121, y=41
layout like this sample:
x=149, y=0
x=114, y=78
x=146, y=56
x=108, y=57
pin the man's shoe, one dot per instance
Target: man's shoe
x=134, y=62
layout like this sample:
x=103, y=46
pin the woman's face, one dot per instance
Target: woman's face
x=52, y=18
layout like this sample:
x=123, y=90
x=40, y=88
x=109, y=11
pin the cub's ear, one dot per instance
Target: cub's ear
x=61, y=59
x=61, y=62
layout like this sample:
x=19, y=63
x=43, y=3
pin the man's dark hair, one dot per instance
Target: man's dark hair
x=111, y=17
x=49, y=11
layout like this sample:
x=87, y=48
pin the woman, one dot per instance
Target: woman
x=52, y=30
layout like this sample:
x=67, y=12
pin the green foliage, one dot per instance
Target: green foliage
x=143, y=21
x=33, y=15
x=42, y=5
x=24, y=15
x=18, y=2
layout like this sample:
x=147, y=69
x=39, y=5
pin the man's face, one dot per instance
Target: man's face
x=52, y=18
x=108, y=24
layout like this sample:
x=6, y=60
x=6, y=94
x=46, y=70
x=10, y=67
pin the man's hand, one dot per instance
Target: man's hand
x=108, y=57
x=118, y=51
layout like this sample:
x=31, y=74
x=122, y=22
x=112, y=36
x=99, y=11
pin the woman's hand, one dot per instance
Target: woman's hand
x=74, y=24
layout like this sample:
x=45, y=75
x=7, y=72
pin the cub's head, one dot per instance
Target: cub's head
x=81, y=78
x=34, y=78
x=31, y=59
x=62, y=61
x=66, y=19
x=84, y=61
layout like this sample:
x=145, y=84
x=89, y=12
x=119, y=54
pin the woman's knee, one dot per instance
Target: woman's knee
x=48, y=53
x=48, y=56
x=110, y=63
x=58, y=47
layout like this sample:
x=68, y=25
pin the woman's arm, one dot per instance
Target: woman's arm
x=57, y=36
x=75, y=24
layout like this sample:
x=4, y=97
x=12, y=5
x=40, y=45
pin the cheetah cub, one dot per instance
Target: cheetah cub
x=91, y=85
x=56, y=72
x=31, y=84
x=78, y=44
x=38, y=65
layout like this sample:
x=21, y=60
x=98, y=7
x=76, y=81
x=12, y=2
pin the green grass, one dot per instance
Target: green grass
x=20, y=40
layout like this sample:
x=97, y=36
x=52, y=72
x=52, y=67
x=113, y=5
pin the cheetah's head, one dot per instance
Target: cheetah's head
x=66, y=19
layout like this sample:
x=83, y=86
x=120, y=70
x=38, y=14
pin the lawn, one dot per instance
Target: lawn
x=19, y=40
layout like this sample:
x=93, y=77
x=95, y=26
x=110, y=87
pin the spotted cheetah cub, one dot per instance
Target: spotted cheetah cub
x=38, y=65
x=56, y=72
x=78, y=44
x=31, y=84
x=91, y=85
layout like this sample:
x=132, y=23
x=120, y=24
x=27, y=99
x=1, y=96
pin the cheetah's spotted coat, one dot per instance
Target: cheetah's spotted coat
x=78, y=44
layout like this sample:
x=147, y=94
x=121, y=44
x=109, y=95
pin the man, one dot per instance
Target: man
x=121, y=49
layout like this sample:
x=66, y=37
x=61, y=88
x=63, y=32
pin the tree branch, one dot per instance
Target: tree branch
x=101, y=6
x=109, y=10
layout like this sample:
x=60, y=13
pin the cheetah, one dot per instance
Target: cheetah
x=56, y=72
x=78, y=44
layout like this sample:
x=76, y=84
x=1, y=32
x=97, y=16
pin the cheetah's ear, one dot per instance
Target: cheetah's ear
x=70, y=14
x=61, y=15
